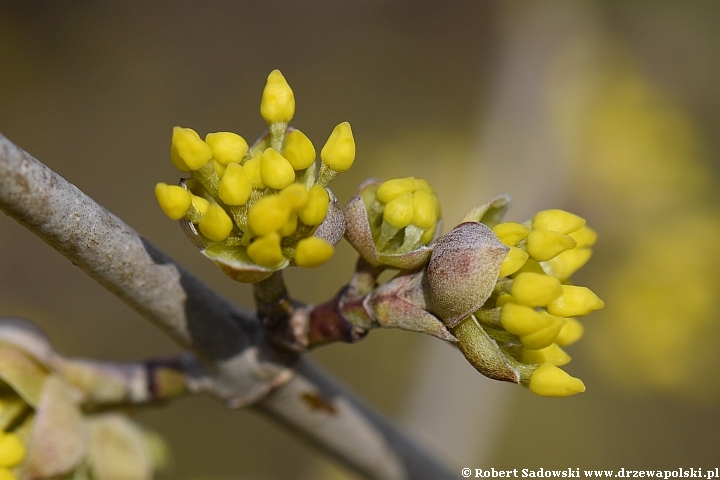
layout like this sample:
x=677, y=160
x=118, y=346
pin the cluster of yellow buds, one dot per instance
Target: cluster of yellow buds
x=12, y=450
x=517, y=323
x=393, y=222
x=257, y=209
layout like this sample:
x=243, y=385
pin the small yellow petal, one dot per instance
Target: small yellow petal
x=574, y=302
x=276, y=171
x=513, y=262
x=235, y=187
x=552, y=354
x=174, y=200
x=339, y=150
x=546, y=244
x=521, y=320
x=200, y=204
x=569, y=262
x=399, y=211
x=557, y=220
x=424, y=209
x=278, y=100
x=428, y=235
x=299, y=150
x=190, y=148
x=268, y=215
x=391, y=189
x=550, y=381
x=227, y=147
x=317, y=206
x=265, y=251
x=546, y=336
x=216, y=224
x=585, y=236
x=252, y=170
x=510, y=233
x=312, y=252
x=570, y=333
x=535, y=289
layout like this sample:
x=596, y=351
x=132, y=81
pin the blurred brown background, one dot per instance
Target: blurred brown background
x=609, y=109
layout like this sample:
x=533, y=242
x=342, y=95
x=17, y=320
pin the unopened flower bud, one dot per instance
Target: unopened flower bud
x=550, y=381
x=574, y=302
x=175, y=201
x=278, y=100
x=227, y=147
x=299, y=150
x=216, y=224
x=339, y=150
x=557, y=220
x=189, y=148
x=312, y=252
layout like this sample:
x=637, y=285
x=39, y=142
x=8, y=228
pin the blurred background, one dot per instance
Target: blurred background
x=609, y=109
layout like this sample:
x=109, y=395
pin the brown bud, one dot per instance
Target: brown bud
x=463, y=269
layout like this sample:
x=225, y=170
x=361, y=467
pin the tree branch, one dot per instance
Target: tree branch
x=230, y=343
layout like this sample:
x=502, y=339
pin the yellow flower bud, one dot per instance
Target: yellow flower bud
x=424, y=209
x=190, y=148
x=546, y=335
x=521, y=320
x=510, y=233
x=276, y=171
x=235, y=186
x=290, y=226
x=200, y=204
x=252, y=170
x=574, y=301
x=513, y=262
x=12, y=450
x=227, y=147
x=585, y=236
x=557, y=220
x=399, y=211
x=570, y=333
x=299, y=150
x=550, y=381
x=216, y=224
x=174, y=200
x=552, y=354
x=268, y=215
x=546, y=244
x=391, y=189
x=428, y=235
x=312, y=252
x=297, y=196
x=569, y=262
x=278, y=100
x=317, y=206
x=265, y=250
x=535, y=289
x=339, y=150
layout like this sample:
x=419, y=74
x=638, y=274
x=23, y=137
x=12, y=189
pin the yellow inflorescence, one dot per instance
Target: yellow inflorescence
x=403, y=214
x=263, y=200
x=533, y=301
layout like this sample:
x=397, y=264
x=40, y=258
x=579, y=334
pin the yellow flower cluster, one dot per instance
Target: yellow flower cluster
x=265, y=201
x=12, y=450
x=531, y=312
x=403, y=214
